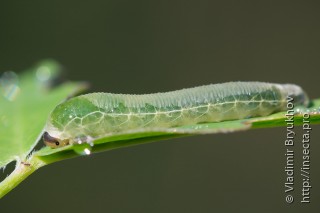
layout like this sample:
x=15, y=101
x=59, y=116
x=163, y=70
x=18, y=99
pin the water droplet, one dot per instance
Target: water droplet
x=43, y=73
x=82, y=149
x=9, y=85
x=87, y=151
x=47, y=71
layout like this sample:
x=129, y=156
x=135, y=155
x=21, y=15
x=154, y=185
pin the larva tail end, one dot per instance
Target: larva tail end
x=297, y=93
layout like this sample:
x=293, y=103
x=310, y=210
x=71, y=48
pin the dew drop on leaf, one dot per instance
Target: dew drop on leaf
x=82, y=149
x=9, y=85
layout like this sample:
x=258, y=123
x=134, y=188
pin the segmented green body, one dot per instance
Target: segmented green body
x=98, y=114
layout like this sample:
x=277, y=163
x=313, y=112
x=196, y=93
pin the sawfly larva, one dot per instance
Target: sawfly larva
x=94, y=115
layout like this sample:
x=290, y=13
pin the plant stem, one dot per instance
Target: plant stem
x=21, y=172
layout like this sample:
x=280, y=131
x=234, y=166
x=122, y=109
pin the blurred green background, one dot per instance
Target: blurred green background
x=124, y=46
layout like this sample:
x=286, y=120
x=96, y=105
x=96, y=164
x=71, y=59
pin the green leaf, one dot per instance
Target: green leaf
x=24, y=123
x=25, y=103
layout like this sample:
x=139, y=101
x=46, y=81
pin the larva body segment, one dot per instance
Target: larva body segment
x=97, y=114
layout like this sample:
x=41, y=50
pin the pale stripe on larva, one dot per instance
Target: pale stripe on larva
x=97, y=114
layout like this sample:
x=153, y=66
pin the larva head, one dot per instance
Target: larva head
x=66, y=122
x=54, y=142
x=297, y=93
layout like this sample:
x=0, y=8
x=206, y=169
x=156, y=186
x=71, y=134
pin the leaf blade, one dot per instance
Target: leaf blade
x=22, y=118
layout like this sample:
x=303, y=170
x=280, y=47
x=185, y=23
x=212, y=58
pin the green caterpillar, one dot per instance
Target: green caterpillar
x=90, y=116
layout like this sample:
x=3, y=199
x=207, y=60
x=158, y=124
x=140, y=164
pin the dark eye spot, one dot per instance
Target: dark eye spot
x=49, y=140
